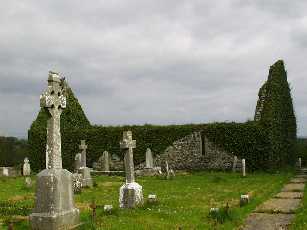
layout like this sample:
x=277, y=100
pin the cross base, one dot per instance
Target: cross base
x=54, y=205
x=131, y=195
x=87, y=181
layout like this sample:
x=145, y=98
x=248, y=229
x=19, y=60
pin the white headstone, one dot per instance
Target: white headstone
x=243, y=168
x=5, y=172
x=26, y=167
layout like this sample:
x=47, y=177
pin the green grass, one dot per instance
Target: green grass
x=183, y=203
x=300, y=220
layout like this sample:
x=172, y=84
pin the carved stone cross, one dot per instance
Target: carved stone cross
x=83, y=147
x=127, y=144
x=54, y=102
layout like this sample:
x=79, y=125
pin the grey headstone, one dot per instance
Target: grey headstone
x=26, y=169
x=149, y=159
x=104, y=161
x=234, y=165
x=54, y=204
x=300, y=162
x=78, y=162
x=83, y=148
x=131, y=193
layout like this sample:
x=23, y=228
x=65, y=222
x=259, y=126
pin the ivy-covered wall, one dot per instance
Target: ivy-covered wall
x=267, y=143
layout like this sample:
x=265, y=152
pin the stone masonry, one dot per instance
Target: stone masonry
x=192, y=152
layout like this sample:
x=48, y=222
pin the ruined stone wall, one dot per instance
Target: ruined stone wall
x=195, y=153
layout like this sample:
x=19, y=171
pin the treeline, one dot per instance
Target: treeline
x=12, y=151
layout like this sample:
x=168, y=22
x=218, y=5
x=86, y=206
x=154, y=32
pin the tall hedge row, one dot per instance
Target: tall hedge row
x=245, y=140
x=278, y=118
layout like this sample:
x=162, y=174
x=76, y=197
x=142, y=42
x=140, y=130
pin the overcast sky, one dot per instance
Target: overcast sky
x=158, y=61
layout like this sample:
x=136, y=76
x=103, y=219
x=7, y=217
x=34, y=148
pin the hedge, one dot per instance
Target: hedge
x=278, y=118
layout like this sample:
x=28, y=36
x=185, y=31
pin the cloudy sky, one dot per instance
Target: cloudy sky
x=157, y=61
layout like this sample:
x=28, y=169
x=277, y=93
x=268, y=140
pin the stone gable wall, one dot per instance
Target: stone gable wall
x=190, y=153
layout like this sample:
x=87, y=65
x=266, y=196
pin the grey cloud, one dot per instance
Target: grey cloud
x=161, y=62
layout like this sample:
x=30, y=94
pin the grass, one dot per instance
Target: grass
x=183, y=203
x=300, y=220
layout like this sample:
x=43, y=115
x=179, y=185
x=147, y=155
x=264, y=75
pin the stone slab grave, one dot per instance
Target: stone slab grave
x=275, y=205
x=298, y=180
x=54, y=204
x=289, y=195
x=130, y=193
x=278, y=212
x=265, y=221
x=293, y=187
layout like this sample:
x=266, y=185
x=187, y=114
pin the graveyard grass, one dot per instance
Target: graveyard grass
x=183, y=202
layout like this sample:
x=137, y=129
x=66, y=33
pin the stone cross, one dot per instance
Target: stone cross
x=127, y=144
x=54, y=102
x=300, y=162
x=235, y=161
x=243, y=168
x=83, y=147
x=149, y=159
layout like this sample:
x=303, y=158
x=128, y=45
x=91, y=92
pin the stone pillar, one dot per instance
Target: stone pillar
x=106, y=161
x=83, y=148
x=85, y=171
x=54, y=205
x=243, y=168
x=149, y=159
x=234, y=165
x=26, y=169
x=131, y=193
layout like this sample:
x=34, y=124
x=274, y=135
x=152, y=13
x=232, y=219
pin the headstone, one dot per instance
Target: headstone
x=105, y=161
x=54, y=204
x=149, y=159
x=78, y=162
x=131, y=193
x=28, y=182
x=26, y=167
x=169, y=172
x=108, y=208
x=243, y=168
x=85, y=171
x=300, y=162
x=244, y=199
x=234, y=165
x=152, y=198
x=77, y=183
x=5, y=171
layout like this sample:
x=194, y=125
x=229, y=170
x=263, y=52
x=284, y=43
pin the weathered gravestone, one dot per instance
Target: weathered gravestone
x=243, y=168
x=54, y=204
x=299, y=162
x=234, y=165
x=26, y=170
x=149, y=159
x=85, y=171
x=104, y=161
x=131, y=193
x=5, y=171
x=78, y=162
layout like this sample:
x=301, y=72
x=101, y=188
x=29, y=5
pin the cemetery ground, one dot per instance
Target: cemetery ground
x=183, y=202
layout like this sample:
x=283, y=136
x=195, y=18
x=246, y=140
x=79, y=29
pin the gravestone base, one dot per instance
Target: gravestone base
x=54, y=205
x=131, y=195
x=87, y=180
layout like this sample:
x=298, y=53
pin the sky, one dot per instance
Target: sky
x=150, y=61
